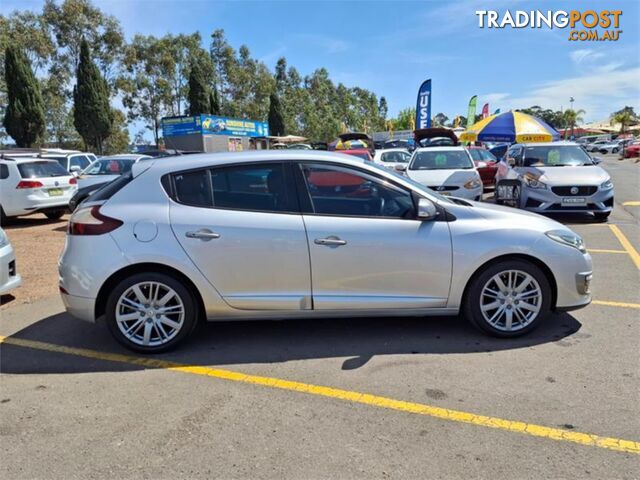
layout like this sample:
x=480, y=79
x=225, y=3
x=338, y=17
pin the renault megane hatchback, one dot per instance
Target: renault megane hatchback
x=306, y=234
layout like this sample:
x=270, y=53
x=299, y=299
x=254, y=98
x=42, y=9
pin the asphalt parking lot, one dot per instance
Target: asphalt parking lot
x=353, y=398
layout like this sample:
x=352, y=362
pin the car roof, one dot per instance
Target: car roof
x=125, y=156
x=25, y=159
x=458, y=148
x=202, y=160
x=563, y=143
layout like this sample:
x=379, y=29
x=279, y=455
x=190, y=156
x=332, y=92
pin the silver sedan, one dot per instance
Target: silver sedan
x=305, y=234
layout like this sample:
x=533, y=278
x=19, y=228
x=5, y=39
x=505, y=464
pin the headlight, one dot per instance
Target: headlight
x=608, y=185
x=567, y=238
x=471, y=184
x=533, y=182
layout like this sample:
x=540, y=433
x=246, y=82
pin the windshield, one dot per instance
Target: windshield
x=42, y=169
x=440, y=160
x=395, y=157
x=109, y=166
x=556, y=156
x=481, y=155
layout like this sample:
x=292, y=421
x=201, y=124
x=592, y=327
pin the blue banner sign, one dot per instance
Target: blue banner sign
x=211, y=124
x=423, y=106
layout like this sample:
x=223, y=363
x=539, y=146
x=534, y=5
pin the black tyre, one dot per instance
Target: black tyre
x=508, y=299
x=3, y=218
x=615, y=150
x=151, y=312
x=601, y=216
x=54, y=214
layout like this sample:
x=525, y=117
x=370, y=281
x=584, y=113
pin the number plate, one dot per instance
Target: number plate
x=574, y=200
x=55, y=192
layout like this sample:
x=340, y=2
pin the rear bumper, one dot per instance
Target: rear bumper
x=41, y=206
x=79, y=307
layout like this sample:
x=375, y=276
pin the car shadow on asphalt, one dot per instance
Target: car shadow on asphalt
x=35, y=221
x=265, y=342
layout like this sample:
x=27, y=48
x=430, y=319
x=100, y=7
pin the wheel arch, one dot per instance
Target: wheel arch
x=147, y=267
x=517, y=256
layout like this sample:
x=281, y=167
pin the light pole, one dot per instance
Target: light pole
x=571, y=100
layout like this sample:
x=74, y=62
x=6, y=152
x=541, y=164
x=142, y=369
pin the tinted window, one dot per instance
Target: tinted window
x=41, y=169
x=440, y=160
x=395, y=157
x=260, y=187
x=61, y=160
x=193, y=188
x=337, y=190
x=4, y=171
x=556, y=156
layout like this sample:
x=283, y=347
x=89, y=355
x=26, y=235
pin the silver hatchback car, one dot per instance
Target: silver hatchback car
x=283, y=234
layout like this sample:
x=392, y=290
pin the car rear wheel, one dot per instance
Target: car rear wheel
x=508, y=299
x=54, y=215
x=150, y=312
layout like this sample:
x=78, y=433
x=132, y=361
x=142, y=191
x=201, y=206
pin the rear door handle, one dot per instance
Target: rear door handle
x=330, y=241
x=203, y=234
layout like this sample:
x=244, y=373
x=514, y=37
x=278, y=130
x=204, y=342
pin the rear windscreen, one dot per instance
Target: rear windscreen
x=41, y=169
x=111, y=188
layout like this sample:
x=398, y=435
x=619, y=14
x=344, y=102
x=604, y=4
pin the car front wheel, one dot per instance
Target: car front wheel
x=508, y=299
x=54, y=215
x=150, y=312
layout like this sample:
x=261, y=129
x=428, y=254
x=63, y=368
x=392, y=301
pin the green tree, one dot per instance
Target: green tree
x=572, y=117
x=93, y=117
x=118, y=140
x=24, y=115
x=276, y=120
x=440, y=119
x=624, y=118
x=214, y=101
x=199, y=94
x=405, y=120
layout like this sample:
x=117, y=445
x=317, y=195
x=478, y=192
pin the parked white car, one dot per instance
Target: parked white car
x=391, y=157
x=595, y=146
x=73, y=161
x=34, y=185
x=450, y=171
x=9, y=278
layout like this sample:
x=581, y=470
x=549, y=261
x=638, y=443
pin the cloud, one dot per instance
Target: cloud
x=585, y=55
x=595, y=93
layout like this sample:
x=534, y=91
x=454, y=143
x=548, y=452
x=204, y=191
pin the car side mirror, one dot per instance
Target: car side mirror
x=400, y=167
x=511, y=161
x=481, y=164
x=75, y=170
x=426, y=209
x=596, y=160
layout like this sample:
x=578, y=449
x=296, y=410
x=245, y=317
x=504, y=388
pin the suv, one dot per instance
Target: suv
x=30, y=184
x=556, y=177
x=72, y=161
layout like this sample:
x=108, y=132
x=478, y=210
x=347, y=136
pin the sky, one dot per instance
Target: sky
x=390, y=47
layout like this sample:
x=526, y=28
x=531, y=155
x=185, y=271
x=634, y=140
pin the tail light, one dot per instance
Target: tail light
x=29, y=184
x=89, y=221
x=73, y=181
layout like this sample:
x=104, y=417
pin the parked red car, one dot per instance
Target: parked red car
x=632, y=150
x=486, y=163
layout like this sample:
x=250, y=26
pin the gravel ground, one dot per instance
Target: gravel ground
x=37, y=242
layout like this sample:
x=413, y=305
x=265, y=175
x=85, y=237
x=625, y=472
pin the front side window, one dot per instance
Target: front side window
x=109, y=166
x=336, y=190
x=441, y=160
x=79, y=161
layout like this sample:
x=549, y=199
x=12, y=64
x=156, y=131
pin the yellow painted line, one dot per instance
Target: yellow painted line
x=626, y=244
x=604, y=250
x=631, y=204
x=616, y=304
x=587, y=439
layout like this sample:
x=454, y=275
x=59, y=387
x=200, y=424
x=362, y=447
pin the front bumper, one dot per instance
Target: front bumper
x=9, y=278
x=460, y=192
x=546, y=201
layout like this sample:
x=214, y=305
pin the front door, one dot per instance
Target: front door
x=367, y=249
x=242, y=228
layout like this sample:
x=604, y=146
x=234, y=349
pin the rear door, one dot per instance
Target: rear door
x=367, y=248
x=52, y=180
x=241, y=226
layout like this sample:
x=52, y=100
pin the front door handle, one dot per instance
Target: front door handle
x=330, y=241
x=203, y=234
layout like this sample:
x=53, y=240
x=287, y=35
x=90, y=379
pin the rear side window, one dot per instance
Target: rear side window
x=41, y=169
x=193, y=188
x=260, y=187
x=4, y=171
x=111, y=188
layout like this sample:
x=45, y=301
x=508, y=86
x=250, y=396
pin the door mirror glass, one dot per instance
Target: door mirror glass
x=426, y=209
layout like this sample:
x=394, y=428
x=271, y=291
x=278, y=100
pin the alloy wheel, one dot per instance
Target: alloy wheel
x=150, y=314
x=510, y=300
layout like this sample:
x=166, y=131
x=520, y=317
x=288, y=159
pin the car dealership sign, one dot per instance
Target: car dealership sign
x=212, y=124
